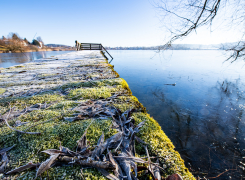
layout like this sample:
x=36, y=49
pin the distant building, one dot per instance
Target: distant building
x=24, y=43
x=41, y=44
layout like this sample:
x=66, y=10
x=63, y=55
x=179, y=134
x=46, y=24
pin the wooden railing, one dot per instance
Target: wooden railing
x=90, y=46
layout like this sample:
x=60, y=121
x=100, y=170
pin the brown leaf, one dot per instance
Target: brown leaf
x=139, y=126
x=140, y=140
x=115, y=138
x=67, y=151
x=53, y=151
x=2, y=151
x=107, y=174
x=100, y=147
x=174, y=177
x=5, y=161
x=46, y=164
x=22, y=168
x=88, y=162
x=92, y=108
x=81, y=143
x=80, y=117
x=118, y=171
x=156, y=171
x=125, y=165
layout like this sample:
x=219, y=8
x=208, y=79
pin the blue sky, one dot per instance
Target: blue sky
x=110, y=22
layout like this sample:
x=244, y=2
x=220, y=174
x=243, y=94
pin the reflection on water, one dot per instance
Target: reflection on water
x=11, y=59
x=199, y=102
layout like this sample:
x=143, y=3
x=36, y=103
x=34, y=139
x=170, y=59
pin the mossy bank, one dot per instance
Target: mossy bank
x=57, y=85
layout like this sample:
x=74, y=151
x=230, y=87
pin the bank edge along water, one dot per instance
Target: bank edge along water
x=49, y=89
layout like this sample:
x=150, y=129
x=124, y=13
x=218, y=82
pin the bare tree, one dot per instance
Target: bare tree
x=182, y=17
x=14, y=36
x=39, y=39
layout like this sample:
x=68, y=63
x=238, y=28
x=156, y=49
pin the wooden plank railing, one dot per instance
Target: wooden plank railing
x=90, y=46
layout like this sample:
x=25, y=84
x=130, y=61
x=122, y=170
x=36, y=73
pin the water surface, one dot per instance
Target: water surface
x=11, y=59
x=198, y=99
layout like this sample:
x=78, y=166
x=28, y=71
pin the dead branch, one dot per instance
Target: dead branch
x=22, y=168
x=88, y=162
x=221, y=173
x=6, y=149
x=198, y=22
x=107, y=174
x=237, y=53
x=6, y=121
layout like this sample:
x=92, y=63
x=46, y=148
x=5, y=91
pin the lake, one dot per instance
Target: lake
x=197, y=98
x=11, y=59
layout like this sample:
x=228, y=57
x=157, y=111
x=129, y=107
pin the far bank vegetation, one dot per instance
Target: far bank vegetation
x=14, y=43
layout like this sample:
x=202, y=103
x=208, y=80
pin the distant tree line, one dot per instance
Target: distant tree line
x=14, y=43
x=172, y=47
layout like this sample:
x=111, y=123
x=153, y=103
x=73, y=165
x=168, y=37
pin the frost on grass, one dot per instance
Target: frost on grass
x=59, y=98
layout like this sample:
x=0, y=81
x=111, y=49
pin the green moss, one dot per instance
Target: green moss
x=40, y=115
x=161, y=146
x=28, y=147
x=2, y=90
x=20, y=101
x=11, y=67
x=112, y=68
x=128, y=102
x=49, y=97
x=19, y=66
x=101, y=91
x=97, y=83
x=91, y=93
x=63, y=105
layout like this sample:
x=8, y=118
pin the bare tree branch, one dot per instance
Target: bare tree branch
x=185, y=16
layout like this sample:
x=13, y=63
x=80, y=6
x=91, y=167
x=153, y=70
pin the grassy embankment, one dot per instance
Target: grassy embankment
x=17, y=47
x=85, y=79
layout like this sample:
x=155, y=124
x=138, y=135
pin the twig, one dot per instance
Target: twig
x=222, y=173
x=82, y=173
x=88, y=162
x=49, y=119
x=6, y=149
x=147, y=153
x=6, y=121
x=139, y=160
x=88, y=127
x=119, y=145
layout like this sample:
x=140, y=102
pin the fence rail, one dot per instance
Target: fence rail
x=91, y=46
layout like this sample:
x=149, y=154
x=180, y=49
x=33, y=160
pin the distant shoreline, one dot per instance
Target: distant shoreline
x=41, y=50
x=165, y=49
